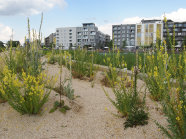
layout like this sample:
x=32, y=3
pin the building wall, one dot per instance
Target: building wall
x=66, y=37
x=148, y=32
x=87, y=35
x=50, y=39
x=125, y=32
x=180, y=31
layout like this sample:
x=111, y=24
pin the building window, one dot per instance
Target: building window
x=175, y=29
x=115, y=28
x=179, y=25
x=179, y=34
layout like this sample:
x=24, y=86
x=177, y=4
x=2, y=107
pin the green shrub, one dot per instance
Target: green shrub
x=83, y=65
x=27, y=95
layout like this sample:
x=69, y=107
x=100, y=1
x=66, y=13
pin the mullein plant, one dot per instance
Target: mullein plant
x=169, y=87
x=112, y=63
x=127, y=101
x=52, y=56
x=63, y=90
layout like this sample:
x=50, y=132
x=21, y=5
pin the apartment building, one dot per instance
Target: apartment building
x=87, y=35
x=50, y=39
x=124, y=32
x=66, y=37
x=148, y=31
x=178, y=27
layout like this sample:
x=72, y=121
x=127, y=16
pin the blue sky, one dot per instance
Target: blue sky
x=60, y=13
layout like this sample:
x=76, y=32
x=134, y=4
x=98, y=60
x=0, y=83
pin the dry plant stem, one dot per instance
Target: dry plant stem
x=60, y=99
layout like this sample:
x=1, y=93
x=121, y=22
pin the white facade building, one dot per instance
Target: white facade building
x=87, y=35
x=148, y=31
x=66, y=37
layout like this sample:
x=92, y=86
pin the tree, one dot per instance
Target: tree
x=184, y=41
x=70, y=47
x=110, y=44
x=14, y=43
x=124, y=44
x=1, y=46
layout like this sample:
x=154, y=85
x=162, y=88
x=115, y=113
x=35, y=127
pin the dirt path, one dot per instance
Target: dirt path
x=93, y=121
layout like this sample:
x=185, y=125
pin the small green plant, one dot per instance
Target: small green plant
x=136, y=117
x=62, y=107
x=52, y=59
x=66, y=89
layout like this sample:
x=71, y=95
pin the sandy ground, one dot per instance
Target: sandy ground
x=94, y=120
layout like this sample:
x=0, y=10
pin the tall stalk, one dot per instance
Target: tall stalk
x=61, y=91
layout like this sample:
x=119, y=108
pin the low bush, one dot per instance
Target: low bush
x=26, y=95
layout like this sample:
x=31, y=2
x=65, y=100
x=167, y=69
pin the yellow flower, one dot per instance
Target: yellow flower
x=2, y=91
x=155, y=73
x=165, y=19
x=155, y=68
x=30, y=94
x=106, y=109
x=179, y=106
x=140, y=66
x=178, y=118
x=125, y=64
x=177, y=89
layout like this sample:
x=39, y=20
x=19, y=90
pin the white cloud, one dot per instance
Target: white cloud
x=28, y=7
x=177, y=16
x=107, y=28
x=5, y=32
